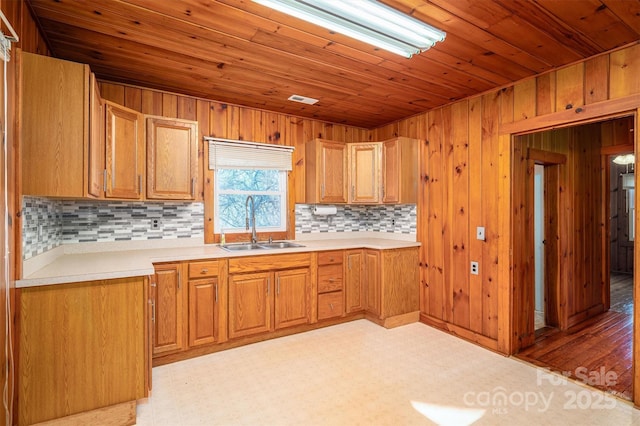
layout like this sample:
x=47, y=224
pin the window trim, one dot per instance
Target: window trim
x=207, y=191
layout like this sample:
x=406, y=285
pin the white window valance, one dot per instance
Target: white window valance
x=234, y=154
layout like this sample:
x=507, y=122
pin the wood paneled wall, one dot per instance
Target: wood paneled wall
x=583, y=266
x=466, y=177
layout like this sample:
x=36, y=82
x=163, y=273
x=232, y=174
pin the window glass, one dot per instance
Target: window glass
x=268, y=188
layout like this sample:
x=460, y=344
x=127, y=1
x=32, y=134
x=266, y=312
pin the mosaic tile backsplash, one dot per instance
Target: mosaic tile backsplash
x=399, y=219
x=50, y=223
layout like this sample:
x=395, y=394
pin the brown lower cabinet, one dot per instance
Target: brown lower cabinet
x=83, y=347
x=268, y=293
x=207, y=302
x=189, y=305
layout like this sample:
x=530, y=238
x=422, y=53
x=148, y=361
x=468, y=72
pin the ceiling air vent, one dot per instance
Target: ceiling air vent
x=302, y=99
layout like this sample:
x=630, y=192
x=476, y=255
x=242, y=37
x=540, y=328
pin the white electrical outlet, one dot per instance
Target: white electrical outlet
x=480, y=233
x=475, y=268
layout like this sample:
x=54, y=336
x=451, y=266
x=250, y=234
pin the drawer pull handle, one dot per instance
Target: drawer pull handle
x=331, y=259
x=204, y=271
x=331, y=280
x=331, y=306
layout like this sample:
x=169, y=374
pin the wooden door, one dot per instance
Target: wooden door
x=333, y=172
x=364, y=176
x=125, y=152
x=292, y=298
x=96, y=141
x=203, y=311
x=354, y=291
x=371, y=277
x=391, y=171
x=168, y=330
x=172, y=158
x=250, y=297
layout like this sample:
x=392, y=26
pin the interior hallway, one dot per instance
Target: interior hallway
x=360, y=373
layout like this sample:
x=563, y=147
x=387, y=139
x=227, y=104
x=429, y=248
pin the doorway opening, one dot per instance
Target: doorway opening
x=573, y=280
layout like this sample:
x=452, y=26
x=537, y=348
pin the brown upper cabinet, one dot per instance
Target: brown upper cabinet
x=362, y=172
x=55, y=106
x=326, y=172
x=400, y=171
x=76, y=145
x=125, y=152
x=172, y=158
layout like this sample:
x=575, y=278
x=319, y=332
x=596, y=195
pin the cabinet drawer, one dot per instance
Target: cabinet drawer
x=330, y=305
x=329, y=278
x=202, y=269
x=330, y=257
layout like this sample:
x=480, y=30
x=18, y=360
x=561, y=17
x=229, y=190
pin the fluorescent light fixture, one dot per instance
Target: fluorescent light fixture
x=366, y=20
x=302, y=99
x=625, y=159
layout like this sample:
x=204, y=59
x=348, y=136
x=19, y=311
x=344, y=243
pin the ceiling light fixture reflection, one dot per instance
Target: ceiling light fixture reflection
x=366, y=20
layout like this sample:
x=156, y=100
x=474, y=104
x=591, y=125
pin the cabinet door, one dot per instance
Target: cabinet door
x=391, y=171
x=354, y=292
x=249, y=304
x=292, y=299
x=333, y=172
x=96, y=141
x=125, y=152
x=172, y=159
x=203, y=312
x=372, y=281
x=365, y=173
x=53, y=127
x=168, y=330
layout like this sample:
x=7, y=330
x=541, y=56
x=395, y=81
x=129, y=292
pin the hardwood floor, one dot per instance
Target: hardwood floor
x=597, y=352
x=622, y=293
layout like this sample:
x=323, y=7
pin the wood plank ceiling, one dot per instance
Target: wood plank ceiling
x=240, y=52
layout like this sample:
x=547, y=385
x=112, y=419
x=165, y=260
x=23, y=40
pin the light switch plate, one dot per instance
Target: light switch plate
x=480, y=233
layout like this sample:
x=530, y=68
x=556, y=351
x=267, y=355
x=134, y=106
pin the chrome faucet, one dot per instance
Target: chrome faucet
x=254, y=236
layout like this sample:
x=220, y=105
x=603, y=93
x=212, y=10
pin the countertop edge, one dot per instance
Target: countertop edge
x=63, y=271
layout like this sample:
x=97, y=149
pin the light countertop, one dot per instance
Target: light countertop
x=67, y=265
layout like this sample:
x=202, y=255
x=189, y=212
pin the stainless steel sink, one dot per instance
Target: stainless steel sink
x=279, y=245
x=260, y=246
x=241, y=247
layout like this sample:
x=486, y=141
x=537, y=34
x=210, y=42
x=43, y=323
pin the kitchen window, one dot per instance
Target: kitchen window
x=242, y=169
x=268, y=188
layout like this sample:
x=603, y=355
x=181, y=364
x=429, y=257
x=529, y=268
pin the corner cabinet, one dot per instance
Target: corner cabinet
x=268, y=293
x=60, y=113
x=326, y=172
x=400, y=171
x=124, y=152
x=83, y=348
x=172, y=159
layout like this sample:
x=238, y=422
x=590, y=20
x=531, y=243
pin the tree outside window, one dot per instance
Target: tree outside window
x=269, y=191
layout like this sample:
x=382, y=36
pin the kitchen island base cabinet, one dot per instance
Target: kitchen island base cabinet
x=81, y=348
